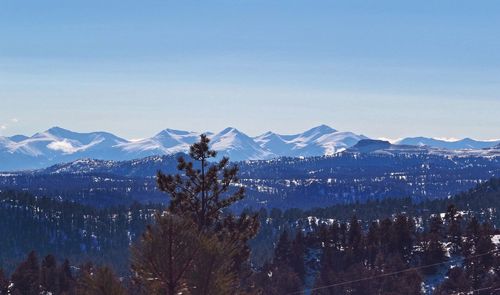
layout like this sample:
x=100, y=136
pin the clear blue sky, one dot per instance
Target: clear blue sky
x=381, y=68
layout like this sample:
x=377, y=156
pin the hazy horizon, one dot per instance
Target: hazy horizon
x=392, y=140
x=387, y=69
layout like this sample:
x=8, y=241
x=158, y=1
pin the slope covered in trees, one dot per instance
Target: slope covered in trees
x=282, y=183
x=198, y=246
x=68, y=229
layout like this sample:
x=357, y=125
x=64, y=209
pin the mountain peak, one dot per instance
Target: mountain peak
x=466, y=143
x=177, y=132
x=173, y=132
x=18, y=138
x=370, y=145
x=323, y=128
x=56, y=130
x=230, y=130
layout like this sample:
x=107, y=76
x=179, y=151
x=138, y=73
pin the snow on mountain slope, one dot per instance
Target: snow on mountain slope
x=58, y=145
x=18, y=138
x=275, y=143
x=57, y=142
x=321, y=140
x=337, y=141
x=465, y=143
x=166, y=142
x=386, y=148
x=238, y=146
x=5, y=142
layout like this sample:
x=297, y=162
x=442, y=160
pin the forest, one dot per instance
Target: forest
x=197, y=245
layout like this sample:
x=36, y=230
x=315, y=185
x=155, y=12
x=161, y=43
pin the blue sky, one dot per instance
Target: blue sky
x=381, y=68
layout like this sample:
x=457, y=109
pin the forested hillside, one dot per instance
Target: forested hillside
x=283, y=183
x=418, y=234
x=68, y=230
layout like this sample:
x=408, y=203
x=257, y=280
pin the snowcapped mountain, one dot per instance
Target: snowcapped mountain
x=238, y=146
x=18, y=138
x=57, y=145
x=168, y=141
x=321, y=140
x=386, y=148
x=465, y=143
x=58, y=142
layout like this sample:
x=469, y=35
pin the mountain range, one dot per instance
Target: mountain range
x=466, y=143
x=370, y=169
x=58, y=145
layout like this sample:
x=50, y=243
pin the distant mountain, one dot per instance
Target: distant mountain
x=54, y=146
x=144, y=167
x=370, y=145
x=462, y=144
x=370, y=169
x=384, y=147
x=168, y=141
x=18, y=138
x=58, y=145
x=321, y=140
x=238, y=146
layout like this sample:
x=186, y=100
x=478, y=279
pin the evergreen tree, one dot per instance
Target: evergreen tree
x=26, y=278
x=283, y=251
x=355, y=236
x=4, y=283
x=454, y=231
x=402, y=236
x=433, y=252
x=174, y=257
x=404, y=283
x=213, y=271
x=436, y=226
x=203, y=193
x=298, y=252
x=49, y=275
x=66, y=281
x=99, y=281
x=164, y=257
x=456, y=282
x=372, y=243
x=277, y=281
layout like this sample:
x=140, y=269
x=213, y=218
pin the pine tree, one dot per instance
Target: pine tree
x=479, y=243
x=402, y=236
x=163, y=258
x=283, y=251
x=213, y=271
x=454, y=231
x=66, y=281
x=455, y=283
x=100, y=281
x=355, y=235
x=372, y=243
x=26, y=278
x=298, y=252
x=278, y=281
x=433, y=252
x=49, y=275
x=203, y=193
x=174, y=257
x=4, y=283
x=405, y=283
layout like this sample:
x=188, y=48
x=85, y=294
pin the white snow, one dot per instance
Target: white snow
x=58, y=145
